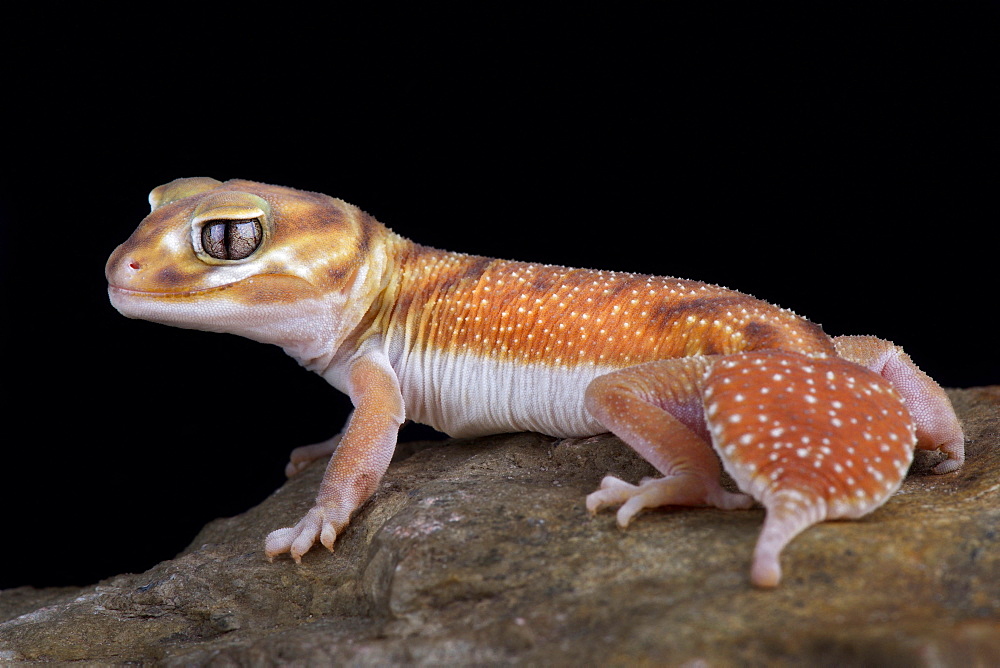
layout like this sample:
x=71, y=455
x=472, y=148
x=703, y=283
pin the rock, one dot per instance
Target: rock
x=481, y=552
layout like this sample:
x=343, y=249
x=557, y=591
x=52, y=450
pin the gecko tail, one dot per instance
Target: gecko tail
x=809, y=438
x=788, y=515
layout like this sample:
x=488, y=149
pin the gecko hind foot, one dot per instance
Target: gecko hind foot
x=674, y=490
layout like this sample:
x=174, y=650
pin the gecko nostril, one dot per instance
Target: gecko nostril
x=134, y=265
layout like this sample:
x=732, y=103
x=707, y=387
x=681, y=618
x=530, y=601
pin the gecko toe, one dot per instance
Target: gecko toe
x=956, y=456
x=328, y=536
x=278, y=542
x=681, y=489
x=612, y=491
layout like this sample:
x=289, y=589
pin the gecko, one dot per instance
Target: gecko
x=696, y=378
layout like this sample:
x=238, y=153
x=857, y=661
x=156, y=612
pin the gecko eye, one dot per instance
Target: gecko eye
x=231, y=239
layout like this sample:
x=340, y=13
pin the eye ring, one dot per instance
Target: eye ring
x=225, y=239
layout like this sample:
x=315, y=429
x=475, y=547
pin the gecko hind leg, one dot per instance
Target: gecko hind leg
x=810, y=438
x=938, y=428
x=656, y=409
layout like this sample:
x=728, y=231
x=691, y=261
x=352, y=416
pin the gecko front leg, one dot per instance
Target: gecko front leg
x=358, y=464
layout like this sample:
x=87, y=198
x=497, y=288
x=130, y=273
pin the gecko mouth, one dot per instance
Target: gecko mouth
x=165, y=294
x=255, y=291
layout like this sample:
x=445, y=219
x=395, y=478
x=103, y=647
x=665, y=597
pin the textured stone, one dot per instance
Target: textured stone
x=481, y=551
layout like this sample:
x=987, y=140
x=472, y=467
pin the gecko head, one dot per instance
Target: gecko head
x=231, y=256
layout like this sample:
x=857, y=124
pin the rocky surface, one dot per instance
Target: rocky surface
x=481, y=552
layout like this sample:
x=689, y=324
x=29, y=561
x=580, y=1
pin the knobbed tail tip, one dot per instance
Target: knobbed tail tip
x=766, y=571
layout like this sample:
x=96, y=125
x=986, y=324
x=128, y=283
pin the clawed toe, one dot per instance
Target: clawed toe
x=279, y=542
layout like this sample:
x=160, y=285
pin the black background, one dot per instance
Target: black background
x=833, y=160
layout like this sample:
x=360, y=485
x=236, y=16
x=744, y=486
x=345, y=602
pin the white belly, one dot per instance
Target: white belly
x=469, y=395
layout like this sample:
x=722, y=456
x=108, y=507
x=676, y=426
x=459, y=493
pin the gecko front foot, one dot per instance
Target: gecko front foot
x=674, y=490
x=320, y=522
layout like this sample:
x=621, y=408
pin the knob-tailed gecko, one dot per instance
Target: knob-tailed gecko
x=686, y=373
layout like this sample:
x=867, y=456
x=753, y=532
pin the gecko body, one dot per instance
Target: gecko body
x=688, y=374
